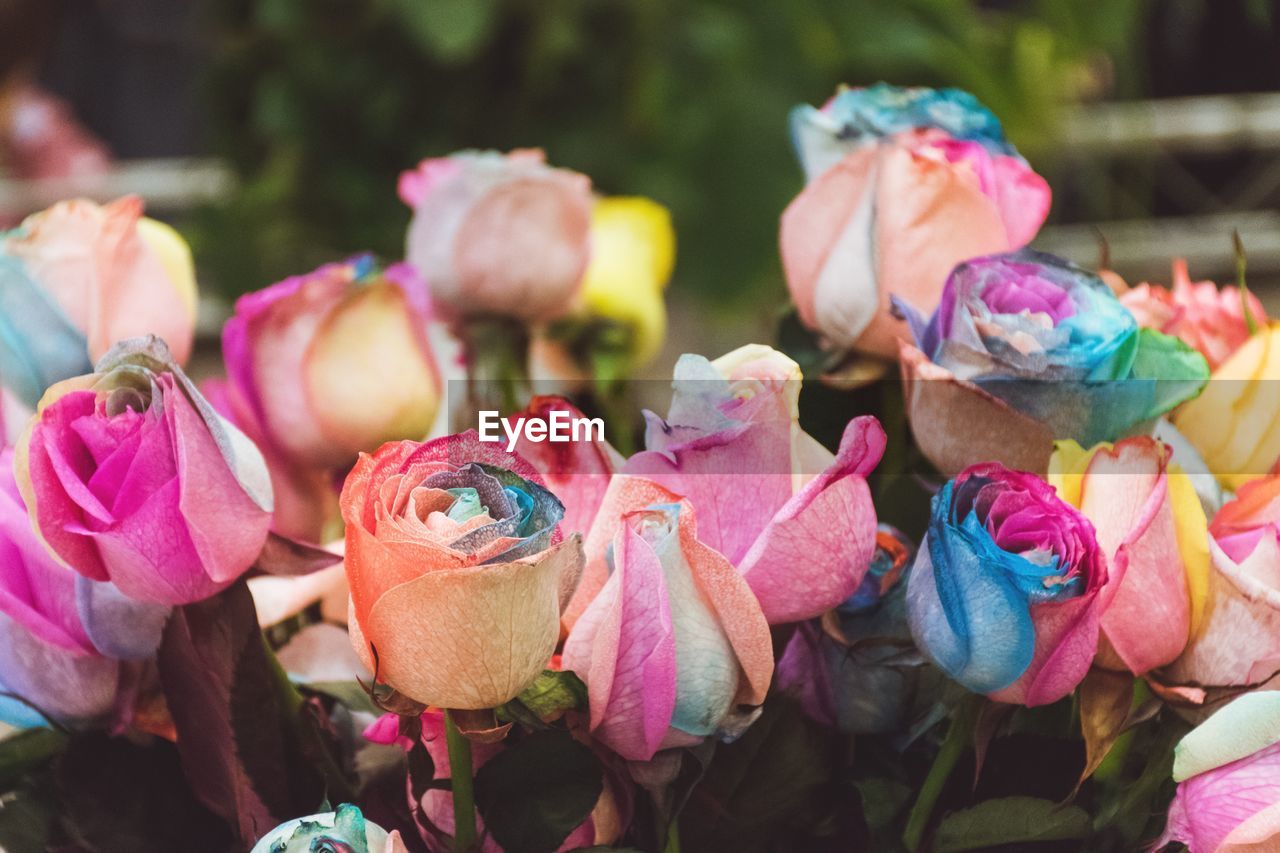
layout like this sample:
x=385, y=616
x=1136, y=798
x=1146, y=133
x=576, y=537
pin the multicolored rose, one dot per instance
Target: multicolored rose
x=1153, y=532
x=79, y=277
x=499, y=234
x=903, y=184
x=322, y=366
x=1004, y=593
x=805, y=537
x=1025, y=348
x=457, y=568
x=343, y=831
x=131, y=477
x=674, y=648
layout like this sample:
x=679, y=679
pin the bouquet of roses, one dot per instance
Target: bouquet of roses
x=291, y=607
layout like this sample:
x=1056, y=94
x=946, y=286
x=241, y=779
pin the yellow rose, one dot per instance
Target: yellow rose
x=1230, y=423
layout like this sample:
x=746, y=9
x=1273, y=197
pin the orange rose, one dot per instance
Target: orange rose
x=457, y=568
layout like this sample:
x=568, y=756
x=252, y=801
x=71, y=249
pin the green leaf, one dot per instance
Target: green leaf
x=1009, y=820
x=538, y=790
x=115, y=794
x=27, y=815
x=452, y=30
x=547, y=698
x=22, y=752
x=762, y=787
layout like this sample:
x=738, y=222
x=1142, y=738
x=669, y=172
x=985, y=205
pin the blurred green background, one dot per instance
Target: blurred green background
x=317, y=105
x=320, y=103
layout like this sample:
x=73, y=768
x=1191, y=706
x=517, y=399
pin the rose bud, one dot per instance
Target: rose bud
x=1003, y=596
x=498, y=234
x=675, y=647
x=903, y=184
x=1026, y=348
x=804, y=540
x=131, y=477
x=457, y=568
x=1153, y=531
x=335, y=361
x=81, y=277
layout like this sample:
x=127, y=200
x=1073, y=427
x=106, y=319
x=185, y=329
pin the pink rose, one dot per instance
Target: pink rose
x=131, y=476
x=1204, y=316
x=498, y=234
x=1152, y=531
x=675, y=647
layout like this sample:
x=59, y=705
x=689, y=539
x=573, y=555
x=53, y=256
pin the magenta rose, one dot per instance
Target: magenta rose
x=131, y=476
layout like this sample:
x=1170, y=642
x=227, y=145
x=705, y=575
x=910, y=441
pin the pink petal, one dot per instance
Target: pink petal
x=816, y=550
x=623, y=647
x=1125, y=495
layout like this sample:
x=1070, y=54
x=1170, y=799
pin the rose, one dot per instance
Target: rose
x=498, y=234
x=1231, y=422
x=1228, y=775
x=1003, y=595
x=324, y=365
x=131, y=476
x=578, y=472
x=1025, y=348
x=903, y=184
x=1239, y=641
x=1210, y=319
x=335, y=361
x=618, y=320
x=674, y=645
x=1153, y=532
x=457, y=568
x=61, y=636
x=796, y=520
x=78, y=277
x=857, y=670
x=602, y=827
x=343, y=830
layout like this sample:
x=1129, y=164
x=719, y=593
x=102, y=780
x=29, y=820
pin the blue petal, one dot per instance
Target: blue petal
x=38, y=344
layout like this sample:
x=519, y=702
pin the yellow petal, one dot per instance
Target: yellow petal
x=632, y=254
x=1191, y=529
x=175, y=257
x=1067, y=466
x=369, y=375
x=470, y=638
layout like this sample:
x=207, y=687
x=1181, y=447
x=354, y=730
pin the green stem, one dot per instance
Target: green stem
x=957, y=740
x=673, y=838
x=464, y=801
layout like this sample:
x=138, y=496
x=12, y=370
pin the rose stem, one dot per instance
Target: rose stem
x=464, y=801
x=953, y=747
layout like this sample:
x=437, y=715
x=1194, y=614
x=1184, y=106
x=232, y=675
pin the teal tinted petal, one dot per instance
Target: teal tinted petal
x=38, y=344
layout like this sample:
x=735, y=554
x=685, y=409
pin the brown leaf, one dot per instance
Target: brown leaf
x=1105, y=701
